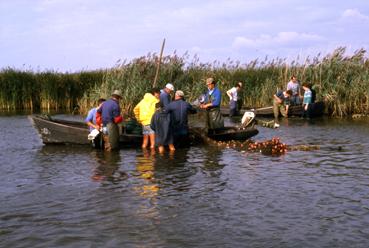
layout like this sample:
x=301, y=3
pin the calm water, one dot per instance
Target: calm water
x=62, y=196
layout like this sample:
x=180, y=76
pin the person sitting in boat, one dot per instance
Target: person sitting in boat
x=280, y=104
x=213, y=98
x=233, y=99
x=165, y=97
x=144, y=111
x=91, y=116
x=108, y=115
x=307, y=102
x=294, y=86
x=179, y=110
x=162, y=126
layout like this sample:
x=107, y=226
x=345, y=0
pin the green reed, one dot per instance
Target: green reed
x=341, y=80
x=47, y=90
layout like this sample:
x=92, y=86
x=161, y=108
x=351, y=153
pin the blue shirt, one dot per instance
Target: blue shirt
x=307, y=97
x=91, y=117
x=281, y=96
x=179, y=110
x=214, y=96
x=164, y=98
x=109, y=110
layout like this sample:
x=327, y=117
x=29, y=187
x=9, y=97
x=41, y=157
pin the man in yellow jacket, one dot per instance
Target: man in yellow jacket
x=144, y=111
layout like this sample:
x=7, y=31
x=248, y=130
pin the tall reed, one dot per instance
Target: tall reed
x=341, y=80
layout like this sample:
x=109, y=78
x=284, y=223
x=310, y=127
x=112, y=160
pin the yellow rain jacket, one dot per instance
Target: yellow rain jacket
x=145, y=109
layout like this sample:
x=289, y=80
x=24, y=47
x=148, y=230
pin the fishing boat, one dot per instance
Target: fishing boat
x=317, y=109
x=232, y=133
x=60, y=131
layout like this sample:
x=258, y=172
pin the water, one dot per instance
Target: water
x=72, y=196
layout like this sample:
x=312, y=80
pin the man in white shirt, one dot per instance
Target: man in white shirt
x=233, y=97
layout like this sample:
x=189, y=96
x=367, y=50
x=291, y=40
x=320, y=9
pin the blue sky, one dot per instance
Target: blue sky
x=73, y=35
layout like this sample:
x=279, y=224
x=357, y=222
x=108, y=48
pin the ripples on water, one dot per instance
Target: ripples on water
x=71, y=196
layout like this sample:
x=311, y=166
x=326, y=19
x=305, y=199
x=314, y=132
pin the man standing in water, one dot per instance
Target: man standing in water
x=109, y=116
x=144, y=111
x=165, y=97
x=179, y=110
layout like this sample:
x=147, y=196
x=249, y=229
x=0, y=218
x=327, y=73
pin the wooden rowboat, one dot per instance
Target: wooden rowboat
x=294, y=110
x=58, y=131
x=317, y=109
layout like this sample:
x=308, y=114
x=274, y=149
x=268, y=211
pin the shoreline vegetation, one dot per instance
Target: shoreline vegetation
x=341, y=81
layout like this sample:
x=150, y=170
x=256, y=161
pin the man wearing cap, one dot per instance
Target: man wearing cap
x=165, y=97
x=108, y=117
x=179, y=110
x=212, y=102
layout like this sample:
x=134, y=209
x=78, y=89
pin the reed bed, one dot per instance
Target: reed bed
x=47, y=90
x=341, y=80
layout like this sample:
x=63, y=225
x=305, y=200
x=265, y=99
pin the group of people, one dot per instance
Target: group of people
x=293, y=96
x=164, y=121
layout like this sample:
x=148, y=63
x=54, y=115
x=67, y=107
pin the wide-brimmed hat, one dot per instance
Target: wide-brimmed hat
x=169, y=86
x=117, y=93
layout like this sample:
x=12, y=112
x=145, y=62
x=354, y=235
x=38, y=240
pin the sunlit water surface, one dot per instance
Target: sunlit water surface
x=73, y=196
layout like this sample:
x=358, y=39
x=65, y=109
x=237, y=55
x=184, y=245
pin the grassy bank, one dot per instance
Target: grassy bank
x=340, y=80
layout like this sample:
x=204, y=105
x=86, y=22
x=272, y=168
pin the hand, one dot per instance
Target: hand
x=306, y=107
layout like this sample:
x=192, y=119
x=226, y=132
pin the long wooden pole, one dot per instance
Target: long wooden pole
x=159, y=62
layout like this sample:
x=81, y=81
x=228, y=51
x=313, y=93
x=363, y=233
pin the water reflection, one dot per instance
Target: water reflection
x=108, y=165
x=145, y=166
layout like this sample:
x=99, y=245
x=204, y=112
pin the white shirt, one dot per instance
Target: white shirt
x=233, y=92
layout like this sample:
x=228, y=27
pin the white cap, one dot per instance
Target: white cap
x=169, y=86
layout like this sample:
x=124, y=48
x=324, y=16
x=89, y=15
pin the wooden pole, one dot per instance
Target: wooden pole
x=159, y=62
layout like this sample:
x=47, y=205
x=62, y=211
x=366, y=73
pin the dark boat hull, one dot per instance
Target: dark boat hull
x=232, y=133
x=55, y=131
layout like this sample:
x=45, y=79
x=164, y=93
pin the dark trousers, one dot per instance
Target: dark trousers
x=111, y=139
x=233, y=108
x=307, y=113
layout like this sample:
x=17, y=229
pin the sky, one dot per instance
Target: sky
x=75, y=35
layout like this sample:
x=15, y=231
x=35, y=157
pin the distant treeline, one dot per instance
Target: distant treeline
x=340, y=80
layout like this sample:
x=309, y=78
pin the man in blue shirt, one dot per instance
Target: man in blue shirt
x=212, y=102
x=165, y=97
x=179, y=110
x=109, y=112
